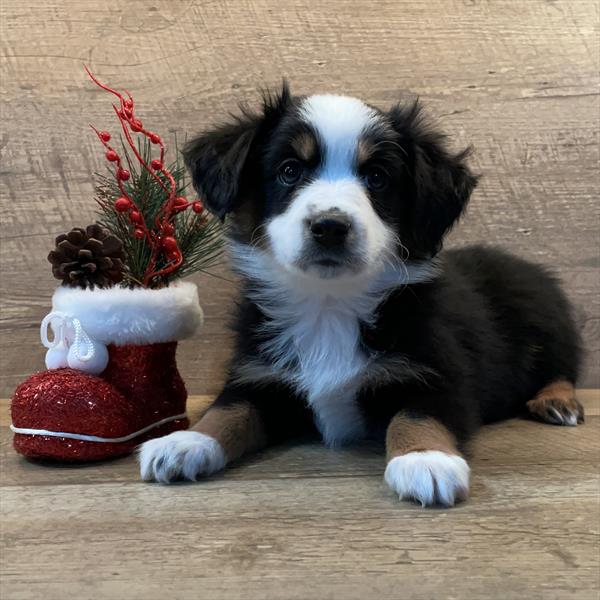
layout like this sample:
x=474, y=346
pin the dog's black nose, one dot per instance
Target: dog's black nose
x=330, y=230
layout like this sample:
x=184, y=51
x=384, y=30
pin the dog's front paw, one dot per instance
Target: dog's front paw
x=430, y=477
x=180, y=455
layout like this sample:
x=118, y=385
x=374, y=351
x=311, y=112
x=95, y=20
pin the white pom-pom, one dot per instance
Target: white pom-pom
x=56, y=357
x=93, y=359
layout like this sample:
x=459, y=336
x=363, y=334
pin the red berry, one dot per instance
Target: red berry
x=128, y=103
x=138, y=233
x=154, y=138
x=135, y=216
x=122, y=204
x=156, y=164
x=136, y=125
x=197, y=207
x=168, y=229
x=169, y=243
x=174, y=255
x=105, y=136
x=123, y=174
x=181, y=202
x=112, y=155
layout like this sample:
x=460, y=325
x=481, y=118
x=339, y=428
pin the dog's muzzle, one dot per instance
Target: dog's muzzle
x=331, y=242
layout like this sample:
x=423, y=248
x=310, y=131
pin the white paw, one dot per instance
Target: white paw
x=180, y=455
x=430, y=477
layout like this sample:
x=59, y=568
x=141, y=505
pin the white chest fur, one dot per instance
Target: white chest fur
x=318, y=351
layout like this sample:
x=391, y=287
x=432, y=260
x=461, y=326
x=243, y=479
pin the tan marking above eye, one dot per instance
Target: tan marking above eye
x=364, y=150
x=305, y=146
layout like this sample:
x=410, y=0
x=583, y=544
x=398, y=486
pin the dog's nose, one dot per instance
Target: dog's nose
x=330, y=229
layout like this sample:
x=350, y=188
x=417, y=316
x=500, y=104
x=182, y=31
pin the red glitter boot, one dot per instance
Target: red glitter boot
x=128, y=337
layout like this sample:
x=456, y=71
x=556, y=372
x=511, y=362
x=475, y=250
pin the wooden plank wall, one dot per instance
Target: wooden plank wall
x=518, y=79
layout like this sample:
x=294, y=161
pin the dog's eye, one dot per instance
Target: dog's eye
x=376, y=178
x=290, y=172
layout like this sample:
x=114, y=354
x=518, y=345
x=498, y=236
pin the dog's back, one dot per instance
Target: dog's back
x=534, y=340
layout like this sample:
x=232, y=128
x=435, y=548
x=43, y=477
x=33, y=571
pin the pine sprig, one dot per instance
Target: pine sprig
x=164, y=234
x=199, y=235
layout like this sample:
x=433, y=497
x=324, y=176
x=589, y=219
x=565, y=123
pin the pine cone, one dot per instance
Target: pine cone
x=88, y=258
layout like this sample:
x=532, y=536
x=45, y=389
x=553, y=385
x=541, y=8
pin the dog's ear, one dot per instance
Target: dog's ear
x=220, y=160
x=441, y=181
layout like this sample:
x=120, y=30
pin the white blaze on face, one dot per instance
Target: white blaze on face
x=339, y=122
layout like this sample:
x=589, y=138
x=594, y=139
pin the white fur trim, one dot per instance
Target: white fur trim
x=133, y=316
x=430, y=477
x=180, y=455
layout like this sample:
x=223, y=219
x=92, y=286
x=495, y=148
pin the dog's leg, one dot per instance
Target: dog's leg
x=556, y=404
x=424, y=463
x=230, y=428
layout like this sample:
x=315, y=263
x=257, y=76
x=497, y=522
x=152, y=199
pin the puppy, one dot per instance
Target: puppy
x=352, y=324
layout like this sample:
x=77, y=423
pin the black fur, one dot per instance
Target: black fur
x=494, y=328
x=491, y=332
x=223, y=162
x=477, y=342
x=439, y=181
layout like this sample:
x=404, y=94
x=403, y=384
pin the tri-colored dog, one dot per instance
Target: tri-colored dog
x=352, y=323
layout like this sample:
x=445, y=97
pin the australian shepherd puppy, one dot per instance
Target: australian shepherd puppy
x=352, y=324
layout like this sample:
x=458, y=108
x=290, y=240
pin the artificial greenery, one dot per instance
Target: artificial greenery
x=198, y=234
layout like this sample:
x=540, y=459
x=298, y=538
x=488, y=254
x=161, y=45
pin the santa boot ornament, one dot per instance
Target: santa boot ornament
x=112, y=380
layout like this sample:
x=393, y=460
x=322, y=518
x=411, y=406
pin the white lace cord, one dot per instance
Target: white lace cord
x=59, y=334
x=59, y=322
x=94, y=438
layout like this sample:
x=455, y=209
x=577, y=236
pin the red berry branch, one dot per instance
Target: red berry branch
x=161, y=236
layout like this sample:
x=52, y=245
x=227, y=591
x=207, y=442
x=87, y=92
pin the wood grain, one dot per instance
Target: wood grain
x=518, y=80
x=303, y=522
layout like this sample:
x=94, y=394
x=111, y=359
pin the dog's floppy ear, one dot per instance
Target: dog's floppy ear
x=441, y=181
x=218, y=160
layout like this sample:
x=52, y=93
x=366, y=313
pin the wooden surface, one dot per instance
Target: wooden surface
x=306, y=522
x=517, y=79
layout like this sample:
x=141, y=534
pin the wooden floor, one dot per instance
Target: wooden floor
x=306, y=522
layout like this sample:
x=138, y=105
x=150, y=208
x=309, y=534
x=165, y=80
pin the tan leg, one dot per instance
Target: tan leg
x=424, y=463
x=222, y=435
x=237, y=428
x=406, y=434
x=556, y=404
